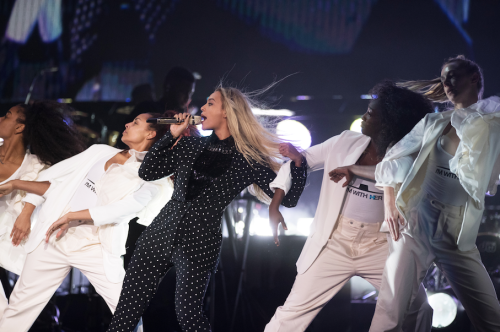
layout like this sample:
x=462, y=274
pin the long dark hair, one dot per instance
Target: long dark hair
x=49, y=132
x=434, y=90
x=177, y=89
x=401, y=110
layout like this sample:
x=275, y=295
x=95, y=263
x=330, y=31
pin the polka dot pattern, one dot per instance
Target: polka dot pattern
x=187, y=234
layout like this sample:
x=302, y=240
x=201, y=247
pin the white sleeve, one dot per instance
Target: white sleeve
x=283, y=179
x=125, y=209
x=398, y=160
x=57, y=171
x=315, y=157
x=389, y=173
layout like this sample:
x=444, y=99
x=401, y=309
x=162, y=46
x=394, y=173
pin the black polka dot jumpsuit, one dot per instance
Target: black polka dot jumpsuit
x=209, y=174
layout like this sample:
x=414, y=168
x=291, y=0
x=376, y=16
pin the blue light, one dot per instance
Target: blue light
x=127, y=100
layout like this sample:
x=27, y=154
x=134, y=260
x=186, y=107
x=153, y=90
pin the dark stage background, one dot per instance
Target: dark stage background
x=335, y=49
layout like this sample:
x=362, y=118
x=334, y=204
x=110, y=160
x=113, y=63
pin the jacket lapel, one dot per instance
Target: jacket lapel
x=430, y=136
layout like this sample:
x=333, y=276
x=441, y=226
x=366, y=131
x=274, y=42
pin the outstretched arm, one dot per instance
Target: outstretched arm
x=347, y=172
x=32, y=187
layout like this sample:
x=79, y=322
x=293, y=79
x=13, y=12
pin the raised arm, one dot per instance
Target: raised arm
x=161, y=160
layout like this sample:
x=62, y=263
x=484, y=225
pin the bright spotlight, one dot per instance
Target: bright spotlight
x=356, y=125
x=445, y=309
x=260, y=226
x=304, y=226
x=294, y=132
x=204, y=133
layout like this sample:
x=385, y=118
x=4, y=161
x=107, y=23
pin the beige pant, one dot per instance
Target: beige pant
x=435, y=228
x=354, y=249
x=44, y=270
x=3, y=301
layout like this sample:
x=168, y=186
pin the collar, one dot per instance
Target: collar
x=481, y=108
x=136, y=156
x=227, y=142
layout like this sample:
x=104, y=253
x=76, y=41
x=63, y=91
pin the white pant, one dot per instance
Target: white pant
x=354, y=249
x=435, y=228
x=44, y=270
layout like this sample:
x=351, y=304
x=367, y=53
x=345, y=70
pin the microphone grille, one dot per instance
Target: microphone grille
x=196, y=120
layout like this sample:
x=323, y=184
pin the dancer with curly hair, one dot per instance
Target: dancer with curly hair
x=347, y=238
x=84, y=206
x=35, y=137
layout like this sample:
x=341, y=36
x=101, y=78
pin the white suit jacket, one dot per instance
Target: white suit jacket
x=12, y=258
x=121, y=195
x=476, y=161
x=342, y=150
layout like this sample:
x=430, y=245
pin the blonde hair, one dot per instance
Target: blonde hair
x=434, y=90
x=255, y=142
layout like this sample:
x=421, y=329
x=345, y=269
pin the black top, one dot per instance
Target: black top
x=214, y=161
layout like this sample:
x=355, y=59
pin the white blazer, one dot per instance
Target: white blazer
x=342, y=150
x=12, y=258
x=121, y=195
x=476, y=161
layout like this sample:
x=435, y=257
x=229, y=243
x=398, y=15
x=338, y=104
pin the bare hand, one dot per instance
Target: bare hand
x=177, y=129
x=341, y=172
x=62, y=224
x=276, y=218
x=21, y=229
x=288, y=150
x=6, y=188
x=392, y=217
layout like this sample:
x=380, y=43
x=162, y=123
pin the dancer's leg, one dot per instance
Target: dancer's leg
x=150, y=262
x=191, y=284
x=90, y=262
x=44, y=270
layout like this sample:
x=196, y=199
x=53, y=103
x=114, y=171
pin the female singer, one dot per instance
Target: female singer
x=209, y=173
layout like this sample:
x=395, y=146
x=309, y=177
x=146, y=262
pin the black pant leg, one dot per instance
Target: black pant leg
x=191, y=284
x=150, y=262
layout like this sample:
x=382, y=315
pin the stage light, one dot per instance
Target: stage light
x=260, y=226
x=304, y=226
x=366, y=97
x=356, y=125
x=281, y=112
x=294, y=132
x=203, y=132
x=302, y=97
x=445, y=309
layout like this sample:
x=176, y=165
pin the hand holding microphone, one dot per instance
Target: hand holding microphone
x=183, y=121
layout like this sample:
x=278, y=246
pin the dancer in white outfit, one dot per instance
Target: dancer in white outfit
x=87, y=200
x=34, y=137
x=347, y=237
x=435, y=214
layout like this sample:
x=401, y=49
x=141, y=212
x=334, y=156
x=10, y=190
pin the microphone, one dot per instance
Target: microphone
x=193, y=120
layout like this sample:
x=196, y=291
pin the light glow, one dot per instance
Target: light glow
x=294, y=132
x=445, y=309
x=356, y=125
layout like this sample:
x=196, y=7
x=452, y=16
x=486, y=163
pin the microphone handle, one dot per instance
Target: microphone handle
x=193, y=120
